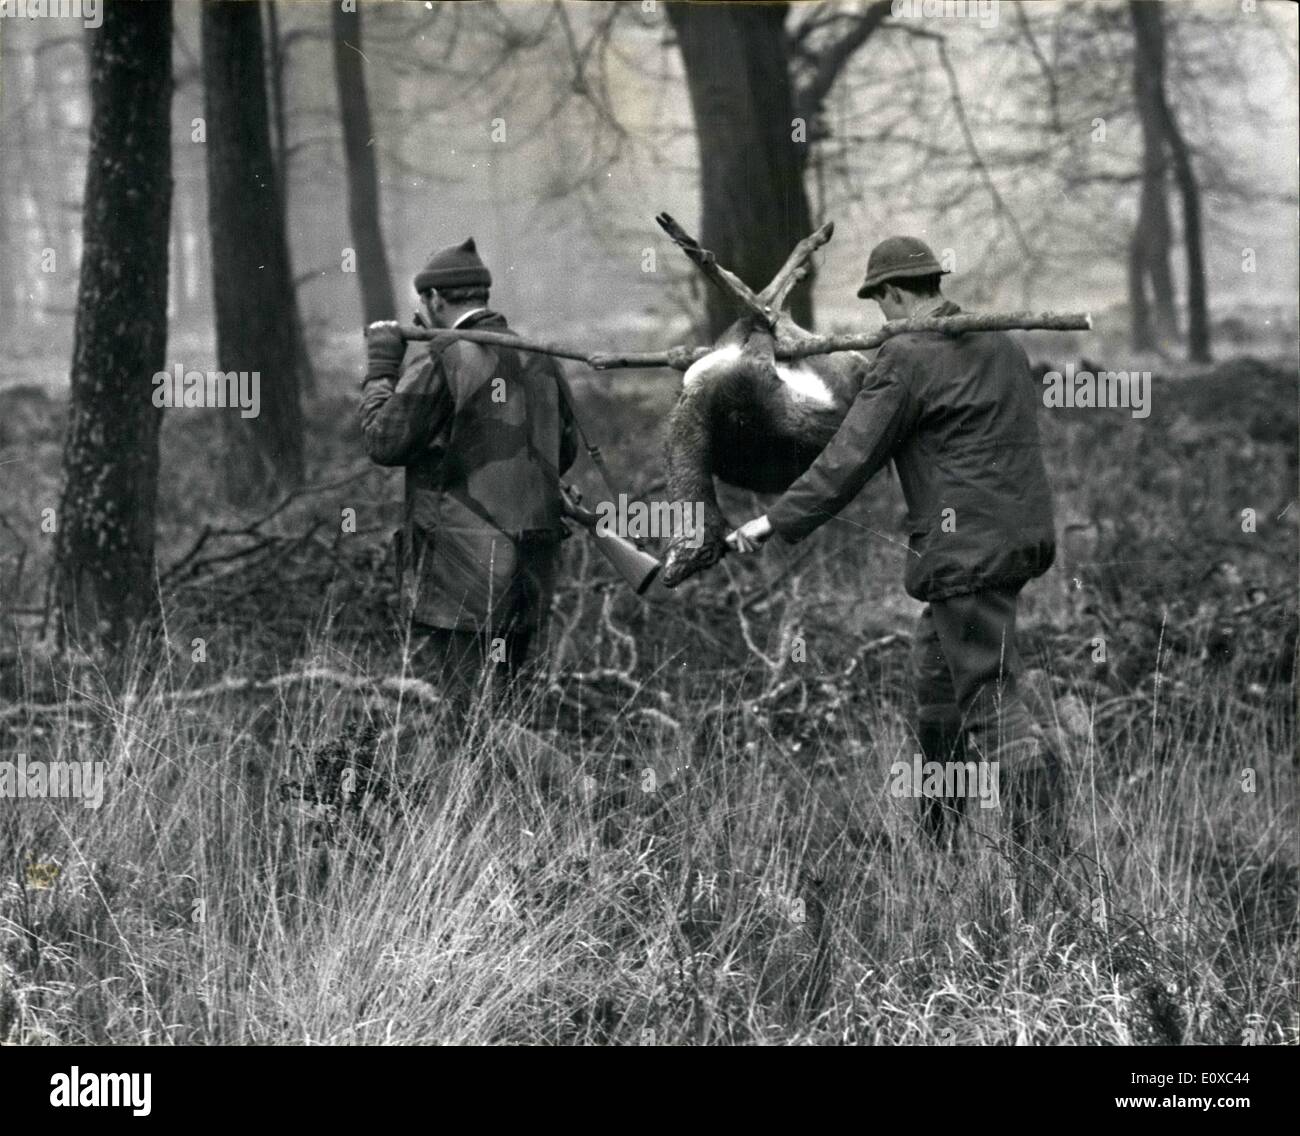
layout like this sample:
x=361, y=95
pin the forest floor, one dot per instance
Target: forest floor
x=687, y=835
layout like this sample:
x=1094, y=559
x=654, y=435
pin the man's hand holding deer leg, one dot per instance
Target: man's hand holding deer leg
x=750, y=536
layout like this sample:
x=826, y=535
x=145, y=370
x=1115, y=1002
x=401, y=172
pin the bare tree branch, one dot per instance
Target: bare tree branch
x=1049, y=76
x=976, y=159
x=831, y=60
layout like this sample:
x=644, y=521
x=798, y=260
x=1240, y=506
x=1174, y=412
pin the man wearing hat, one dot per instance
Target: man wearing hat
x=957, y=416
x=484, y=433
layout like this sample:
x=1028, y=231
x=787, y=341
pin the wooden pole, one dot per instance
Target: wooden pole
x=947, y=325
x=496, y=339
x=680, y=358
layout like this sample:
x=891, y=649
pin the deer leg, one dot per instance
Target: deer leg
x=794, y=269
x=758, y=355
x=691, y=430
x=690, y=484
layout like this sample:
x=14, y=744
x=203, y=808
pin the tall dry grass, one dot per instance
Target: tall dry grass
x=507, y=889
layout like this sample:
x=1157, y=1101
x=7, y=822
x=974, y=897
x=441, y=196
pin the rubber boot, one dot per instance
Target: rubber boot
x=941, y=742
x=1035, y=806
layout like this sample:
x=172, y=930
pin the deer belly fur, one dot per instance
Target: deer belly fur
x=764, y=435
x=802, y=384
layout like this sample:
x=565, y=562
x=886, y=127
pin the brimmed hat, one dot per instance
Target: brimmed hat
x=899, y=257
x=456, y=266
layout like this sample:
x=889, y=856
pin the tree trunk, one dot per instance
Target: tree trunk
x=275, y=92
x=251, y=280
x=202, y=305
x=1150, y=247
x=377, y=300
x=275, y=82
x=8, y=199
x=1198, y=319
x=23, y=158
x=104, y=554
x=1141, y=334
x=755, y=207
x=183, y=259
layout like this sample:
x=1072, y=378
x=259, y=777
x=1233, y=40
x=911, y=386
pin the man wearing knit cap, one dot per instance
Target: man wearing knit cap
x=484, y=433
x=957, y=416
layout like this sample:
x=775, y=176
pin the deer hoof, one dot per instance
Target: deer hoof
x=684, y=560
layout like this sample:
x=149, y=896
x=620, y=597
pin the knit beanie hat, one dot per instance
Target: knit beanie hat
x=456, y=266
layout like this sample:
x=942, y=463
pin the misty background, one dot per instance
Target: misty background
x=554, y=134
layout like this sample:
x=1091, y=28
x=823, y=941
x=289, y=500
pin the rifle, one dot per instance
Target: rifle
x=637, y=568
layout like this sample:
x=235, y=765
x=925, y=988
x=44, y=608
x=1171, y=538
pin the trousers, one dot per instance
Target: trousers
x=965, y=668
x=457, y=663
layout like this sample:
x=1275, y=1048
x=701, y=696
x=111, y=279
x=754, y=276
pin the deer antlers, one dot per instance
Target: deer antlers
x=707, y=263
x=768, y=303
x=795, y=267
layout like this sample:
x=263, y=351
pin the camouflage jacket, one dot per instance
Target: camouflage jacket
x=958, y=416
x=485, y=434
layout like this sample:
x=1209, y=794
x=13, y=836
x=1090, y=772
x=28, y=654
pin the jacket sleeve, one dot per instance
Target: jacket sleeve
x=878, y=420
x=568, y=424
x=401, y=417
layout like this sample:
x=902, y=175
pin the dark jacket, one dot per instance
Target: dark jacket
x=484, y=433
x=958, y=416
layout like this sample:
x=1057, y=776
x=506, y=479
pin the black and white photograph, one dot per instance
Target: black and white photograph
x=539, y=523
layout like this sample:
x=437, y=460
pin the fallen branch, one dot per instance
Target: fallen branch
x=658, y=717
x=393, y=686
x=190, y=559
x=775, y=693
x=612, y=674
x=879, y=644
